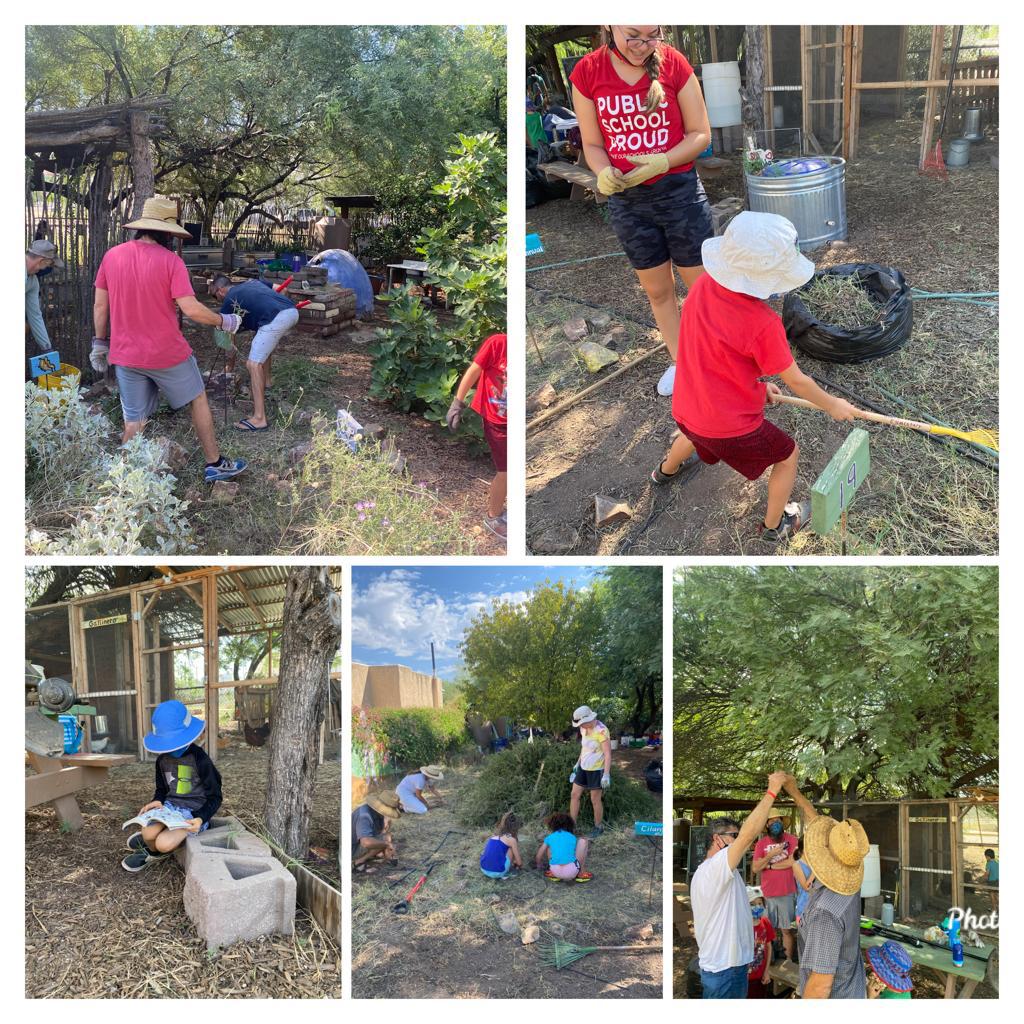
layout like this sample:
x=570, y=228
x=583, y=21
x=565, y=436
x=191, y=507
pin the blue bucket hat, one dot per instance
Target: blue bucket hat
x=892, y=963
x=174, y=727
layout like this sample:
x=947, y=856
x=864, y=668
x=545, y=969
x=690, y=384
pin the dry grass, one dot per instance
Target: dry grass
x=839, y=302
x=94, y=931
x=452, y=925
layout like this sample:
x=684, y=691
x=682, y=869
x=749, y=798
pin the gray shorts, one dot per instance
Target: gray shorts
x=781, y=910
x=269, y=335
x=141, y=389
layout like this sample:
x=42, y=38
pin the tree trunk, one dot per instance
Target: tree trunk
x=142, y=160
x=752, y=93
x=310, y=635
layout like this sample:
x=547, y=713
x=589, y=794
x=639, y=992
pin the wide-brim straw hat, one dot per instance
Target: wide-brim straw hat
x=582, y=715
x=835, y=851
x=385, y=803
x=757, y=255
x=433, y=772
x=159, y=214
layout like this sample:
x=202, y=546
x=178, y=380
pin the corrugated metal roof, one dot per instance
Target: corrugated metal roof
x=260, y=588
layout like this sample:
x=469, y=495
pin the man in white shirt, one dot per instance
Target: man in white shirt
x=721, y=910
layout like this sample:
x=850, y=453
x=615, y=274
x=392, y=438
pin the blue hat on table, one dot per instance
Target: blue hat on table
x=174, y=727
x=892, y=963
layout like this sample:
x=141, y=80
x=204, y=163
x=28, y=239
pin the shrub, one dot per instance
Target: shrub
x=406, y=206
x=532, y=779
x=410, y=737
x=119, y=502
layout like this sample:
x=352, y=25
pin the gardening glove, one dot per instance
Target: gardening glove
x=606, y=780
x=648, y=165
x=572, y=774
x=610, y=181
x=454, y=414
x=98, y=355
x=230, y=322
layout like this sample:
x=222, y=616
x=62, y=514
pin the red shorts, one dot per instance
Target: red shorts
x=750, y=454
x=496, y=436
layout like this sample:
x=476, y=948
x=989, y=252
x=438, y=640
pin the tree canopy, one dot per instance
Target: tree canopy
x=261, y=115
x=536, y=661
x=865, y=682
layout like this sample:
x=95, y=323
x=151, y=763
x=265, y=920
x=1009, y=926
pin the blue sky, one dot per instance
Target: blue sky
x=396, y=612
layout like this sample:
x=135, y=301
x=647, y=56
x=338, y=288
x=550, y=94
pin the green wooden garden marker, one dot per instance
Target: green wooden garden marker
x=834, y=489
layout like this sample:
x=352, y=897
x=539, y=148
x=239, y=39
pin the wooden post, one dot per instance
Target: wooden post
x=212, y=666
x=931, y=101
x=858, y=64
x=713, y=37
x=140, y=688
x=752, y=93
x=805, y=86
x=904, y=851
x=769, y=96
x=839, y=107
x=847, y=89
x=143, y=184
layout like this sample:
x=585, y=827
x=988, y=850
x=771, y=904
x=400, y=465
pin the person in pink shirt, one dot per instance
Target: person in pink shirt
x=140, y=286
x=773, y=861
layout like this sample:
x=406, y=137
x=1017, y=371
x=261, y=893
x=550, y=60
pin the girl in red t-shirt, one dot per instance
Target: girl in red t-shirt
x=487, y=373
x=643, y=122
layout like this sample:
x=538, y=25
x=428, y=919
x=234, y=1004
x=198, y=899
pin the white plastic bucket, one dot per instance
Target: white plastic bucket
x=721, y=84
x=872, y=884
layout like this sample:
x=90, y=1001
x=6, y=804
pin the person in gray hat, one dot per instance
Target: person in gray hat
x=39, y=256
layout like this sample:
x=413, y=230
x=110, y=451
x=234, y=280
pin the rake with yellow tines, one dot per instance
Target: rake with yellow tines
x=986, y=438
x=564, y=954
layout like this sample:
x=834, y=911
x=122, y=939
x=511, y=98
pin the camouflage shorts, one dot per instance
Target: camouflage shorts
x=668, y=220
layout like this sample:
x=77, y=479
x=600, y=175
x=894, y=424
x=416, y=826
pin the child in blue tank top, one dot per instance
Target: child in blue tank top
x=501, y=851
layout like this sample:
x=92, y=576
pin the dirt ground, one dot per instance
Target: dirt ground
x=94, y=931
x=921, y=498
x=313, y=374
x=450, y=944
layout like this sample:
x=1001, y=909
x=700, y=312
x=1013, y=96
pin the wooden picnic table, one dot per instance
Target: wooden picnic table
x=973, y=971
x=58, y=779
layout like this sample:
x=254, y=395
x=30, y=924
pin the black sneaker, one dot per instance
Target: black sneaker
x=136, y=843
x=795, y=516
x=596, y=832
x=141, y=859
x=682, y=474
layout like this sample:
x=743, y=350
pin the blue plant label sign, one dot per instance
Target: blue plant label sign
x=648, y=828
x=44, y=363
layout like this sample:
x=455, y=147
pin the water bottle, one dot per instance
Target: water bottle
x=887, y=914
x=955, y=944
x=296, y=264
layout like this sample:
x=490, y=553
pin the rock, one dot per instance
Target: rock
x=508, y=924
x=195, y=496
x=299, y=452
x=172, y=453
x=558, y=540
x=617, y=339
x=304, y=416
x=224, y=491
x=374, y=431
x=575, y=329
x=640, y=931
x=838, y=244
x=556, y=929
x=541, y=398
x=530, y=934
x=596, y=357
x=362, y=335
x=599, y=320
x=494, y=899
x=609, y=510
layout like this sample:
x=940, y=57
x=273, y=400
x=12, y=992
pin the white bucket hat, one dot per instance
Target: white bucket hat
x=583, y=715
x=757, y=256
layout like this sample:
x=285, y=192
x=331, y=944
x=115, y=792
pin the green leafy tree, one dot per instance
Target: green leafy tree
x=865, y=682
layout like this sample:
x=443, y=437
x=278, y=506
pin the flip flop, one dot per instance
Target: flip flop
x=246, y=425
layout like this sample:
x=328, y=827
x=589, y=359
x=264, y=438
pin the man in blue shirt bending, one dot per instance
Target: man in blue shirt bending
x=271, y=316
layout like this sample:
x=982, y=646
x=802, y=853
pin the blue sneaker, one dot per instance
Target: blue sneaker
x=225, y=469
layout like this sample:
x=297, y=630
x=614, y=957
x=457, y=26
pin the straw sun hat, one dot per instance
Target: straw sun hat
x=385, y=803
x=159, y=214
x=835, y=851
x=432, y=772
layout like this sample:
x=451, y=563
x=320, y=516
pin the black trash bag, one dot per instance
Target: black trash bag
x=535, y=184
x=653, y=776
x=887, y=287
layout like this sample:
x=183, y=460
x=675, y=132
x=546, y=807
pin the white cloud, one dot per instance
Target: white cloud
x=394, y=615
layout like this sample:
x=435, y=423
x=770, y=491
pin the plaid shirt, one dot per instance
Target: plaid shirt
x=831, y=930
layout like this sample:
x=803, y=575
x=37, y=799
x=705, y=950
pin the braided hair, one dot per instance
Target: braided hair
x=656, y=91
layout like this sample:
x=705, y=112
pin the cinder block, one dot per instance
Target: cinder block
x=723, y=211
x=226, y=839
x=231, y=898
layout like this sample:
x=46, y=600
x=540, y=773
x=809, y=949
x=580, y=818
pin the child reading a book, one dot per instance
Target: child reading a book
x=187, y=781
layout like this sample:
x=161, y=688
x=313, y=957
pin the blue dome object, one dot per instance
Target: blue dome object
x=345, y=270
x=791, y=168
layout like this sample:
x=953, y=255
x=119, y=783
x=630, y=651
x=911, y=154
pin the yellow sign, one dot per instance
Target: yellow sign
x=110, y=620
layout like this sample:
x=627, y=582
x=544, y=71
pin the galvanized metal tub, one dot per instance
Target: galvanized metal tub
x=815, y=202
x=959, y=153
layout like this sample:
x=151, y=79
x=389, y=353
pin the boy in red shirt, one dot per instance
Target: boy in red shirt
x=487, y=372
x=729, y=338
x=758, y=975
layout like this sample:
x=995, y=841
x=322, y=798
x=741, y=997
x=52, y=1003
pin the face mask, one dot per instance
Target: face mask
x=775, y=830
x=178, y=753
x=757, y=912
